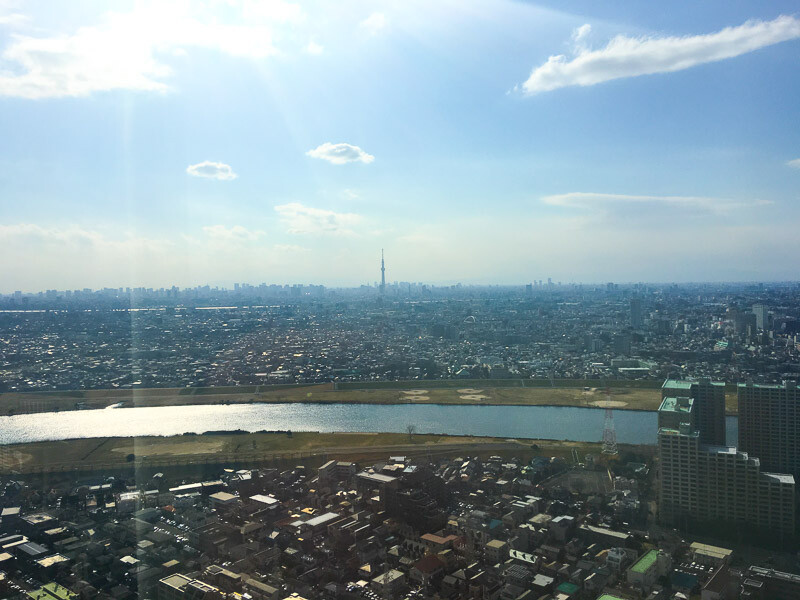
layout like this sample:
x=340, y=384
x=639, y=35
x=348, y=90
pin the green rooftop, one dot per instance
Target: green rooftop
x=677, y=384
x=609, y=597
x=643, y=564
x=52, y=591
x=568, y=588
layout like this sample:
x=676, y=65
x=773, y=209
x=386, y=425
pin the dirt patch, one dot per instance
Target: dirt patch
x=415, y=392
x=609, y=403
x=474, y=397
x=178, y=448
x=13, y=458
x=469, y=391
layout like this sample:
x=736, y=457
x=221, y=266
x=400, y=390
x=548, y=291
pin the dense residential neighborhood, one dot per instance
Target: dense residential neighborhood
x=252, y=335
x=461, y=527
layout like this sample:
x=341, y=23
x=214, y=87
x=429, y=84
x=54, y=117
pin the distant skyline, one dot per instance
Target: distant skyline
x=189, y=143
x=391, y=285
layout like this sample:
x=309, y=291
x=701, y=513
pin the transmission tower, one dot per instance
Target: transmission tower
x=609, y=433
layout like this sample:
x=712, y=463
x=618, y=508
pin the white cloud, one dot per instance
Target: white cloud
x=290, y=248
x=13, y=19
x=373, y=23
x=580, y=34
x=125, y=50
x=340, y=154
x=629, y=57
x=630, y=204
x=301, y=219
x=212, y=170
x=237, y=233
x=274, y=10
x=794, y=163
x=314, y=48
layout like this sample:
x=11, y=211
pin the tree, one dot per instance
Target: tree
x=411, y=429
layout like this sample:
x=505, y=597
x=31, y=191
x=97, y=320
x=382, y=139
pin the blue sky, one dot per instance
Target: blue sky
x=160, y=143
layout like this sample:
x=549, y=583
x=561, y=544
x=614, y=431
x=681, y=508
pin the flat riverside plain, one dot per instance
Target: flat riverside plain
x=99, y=453
x=469, y=392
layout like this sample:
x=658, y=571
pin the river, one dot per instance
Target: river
x=551, y=422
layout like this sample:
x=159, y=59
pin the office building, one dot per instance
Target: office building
x=709, y=406
x=762, y=316
x=769, y=425
x=637, y=317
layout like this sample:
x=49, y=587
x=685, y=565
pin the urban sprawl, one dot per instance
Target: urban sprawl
x=252, y=335
x=691, y=517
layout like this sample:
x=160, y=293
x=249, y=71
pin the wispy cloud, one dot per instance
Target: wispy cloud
x=374, y=23
x=212, y=170
x=630, y=203
x=340, y=154
x=301, y=219
x=795, y=164
x=13, y=19
x=629, y=56
x=126, y=50
x=290, y=248
x=314, y=48
x=237, y=233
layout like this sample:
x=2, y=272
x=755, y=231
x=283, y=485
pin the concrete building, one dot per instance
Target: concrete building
x=709, y=401
x=719, y=483
x=762, y=316
x=496, y=551
x=675, y=411
x=710, y=556
x=637, y=317
x=765, y=584
x=389, y=584
x=644, y=573
x=769, y=425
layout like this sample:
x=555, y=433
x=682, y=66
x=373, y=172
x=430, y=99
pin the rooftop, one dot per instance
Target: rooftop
x=779, y=477
x=710, y=550
x=645, y=562
x=677, y=384
x=680, y=404
x=52, y=591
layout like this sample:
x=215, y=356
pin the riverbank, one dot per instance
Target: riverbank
x=238, y=448
x=619, y=395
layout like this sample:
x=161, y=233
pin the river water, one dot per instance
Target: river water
x=550, y=422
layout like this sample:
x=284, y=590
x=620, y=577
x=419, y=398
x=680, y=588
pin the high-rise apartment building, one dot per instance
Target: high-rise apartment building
x=769, y=425
x=709, y=406
x=674, y=412
x=719, y=483
x=714, y=482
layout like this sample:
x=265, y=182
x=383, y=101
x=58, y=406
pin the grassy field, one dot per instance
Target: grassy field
x=527, y=383
x=422, y=392
x=108, y=453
